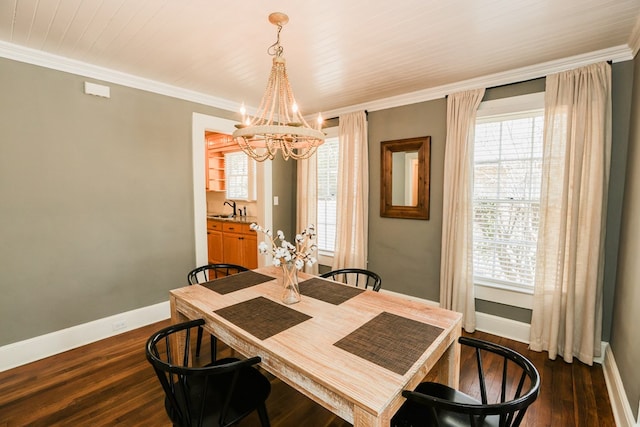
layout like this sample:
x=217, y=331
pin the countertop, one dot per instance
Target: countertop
x=225, y=217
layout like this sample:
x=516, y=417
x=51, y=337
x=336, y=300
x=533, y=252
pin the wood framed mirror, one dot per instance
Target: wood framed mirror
x=404, y=183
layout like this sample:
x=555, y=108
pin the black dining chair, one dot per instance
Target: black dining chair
x=209, y=272
x=434, y=404
x=356, y=276
x=218, y=394
x=204, y=274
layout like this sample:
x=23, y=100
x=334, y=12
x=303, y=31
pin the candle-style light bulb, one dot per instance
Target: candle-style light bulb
x=319, y=120
x=294, y=107
x=243, y=110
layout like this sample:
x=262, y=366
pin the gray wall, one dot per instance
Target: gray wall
x=96, y=200
x=626, y=314
x=284, y=186
x=621, y=90
x=405, y=252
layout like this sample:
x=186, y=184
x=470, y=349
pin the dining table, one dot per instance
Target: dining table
x=349, y=349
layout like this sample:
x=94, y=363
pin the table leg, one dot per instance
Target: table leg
x=451, y=365
x=447, y=369
x=177, y=339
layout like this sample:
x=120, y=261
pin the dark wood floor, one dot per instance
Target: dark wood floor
x=110, y=383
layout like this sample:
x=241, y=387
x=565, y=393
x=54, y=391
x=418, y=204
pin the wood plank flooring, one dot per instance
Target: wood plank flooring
x=110, y=383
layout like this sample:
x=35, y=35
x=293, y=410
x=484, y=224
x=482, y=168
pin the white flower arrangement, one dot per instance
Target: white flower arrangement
x=300, y=254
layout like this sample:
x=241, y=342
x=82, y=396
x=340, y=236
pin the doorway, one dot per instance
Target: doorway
x=200, y=124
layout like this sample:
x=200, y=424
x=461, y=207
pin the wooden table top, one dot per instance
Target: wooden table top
x=314, y=352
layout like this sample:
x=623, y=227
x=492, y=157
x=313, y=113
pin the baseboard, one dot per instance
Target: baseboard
x=30, y=350
x=507, y=328
x=619, y=403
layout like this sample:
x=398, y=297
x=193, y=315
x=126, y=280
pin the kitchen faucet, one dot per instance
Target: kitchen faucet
x=232, y=204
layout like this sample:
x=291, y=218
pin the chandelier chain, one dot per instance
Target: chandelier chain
x=276, y=49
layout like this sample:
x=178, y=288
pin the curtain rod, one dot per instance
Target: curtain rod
x=610, y=62
x=366, y=113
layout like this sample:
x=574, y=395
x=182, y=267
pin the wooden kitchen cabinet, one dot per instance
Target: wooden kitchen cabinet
x=232, y=243
x=240, y=244
x=214, y=242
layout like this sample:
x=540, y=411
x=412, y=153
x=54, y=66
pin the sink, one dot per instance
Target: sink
x=219, y=216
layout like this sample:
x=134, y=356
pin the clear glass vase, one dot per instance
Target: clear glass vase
x=290, y=289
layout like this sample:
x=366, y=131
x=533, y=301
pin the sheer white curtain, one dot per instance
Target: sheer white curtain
x=456, y=264
x=307, y=199
x=353, y=192
x=567, y=308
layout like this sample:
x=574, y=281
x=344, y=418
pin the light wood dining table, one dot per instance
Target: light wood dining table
x=350, y=350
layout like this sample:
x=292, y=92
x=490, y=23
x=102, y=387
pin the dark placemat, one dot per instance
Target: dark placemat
x=262, y=317
x=328, y=290
x=235, y=282
x=390, y=341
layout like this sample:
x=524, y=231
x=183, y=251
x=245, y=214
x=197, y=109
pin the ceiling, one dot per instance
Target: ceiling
x=340, y=54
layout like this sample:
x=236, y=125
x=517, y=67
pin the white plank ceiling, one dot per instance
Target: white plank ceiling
x=340, y=53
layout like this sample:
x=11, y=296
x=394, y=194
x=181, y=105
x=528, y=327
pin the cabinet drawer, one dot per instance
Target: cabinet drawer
x=214, y=225
x=235, y=227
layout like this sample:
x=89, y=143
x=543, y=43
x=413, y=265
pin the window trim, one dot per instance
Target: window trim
x=492, y=291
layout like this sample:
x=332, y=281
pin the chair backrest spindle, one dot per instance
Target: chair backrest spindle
x=481, y=378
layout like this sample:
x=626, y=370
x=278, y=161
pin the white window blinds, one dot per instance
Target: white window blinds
x=506, y=198
x=327, y=156
x=239, y=176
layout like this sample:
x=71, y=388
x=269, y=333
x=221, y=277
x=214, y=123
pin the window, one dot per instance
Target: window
x=506, y=197
x=327, y=156
x=239, y=176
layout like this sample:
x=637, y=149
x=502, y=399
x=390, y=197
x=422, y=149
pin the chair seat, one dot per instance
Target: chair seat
x=413, y=414
x=251, y=388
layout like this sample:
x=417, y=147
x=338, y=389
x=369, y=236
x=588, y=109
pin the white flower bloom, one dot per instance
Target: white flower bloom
x=284, y=251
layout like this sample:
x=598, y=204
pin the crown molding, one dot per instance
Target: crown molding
x=614, y=54
x=60, y=63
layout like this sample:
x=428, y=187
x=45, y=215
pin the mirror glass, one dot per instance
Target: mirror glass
x=404, y=189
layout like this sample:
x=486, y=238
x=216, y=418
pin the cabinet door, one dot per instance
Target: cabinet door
x=233, y=248
x=250, y=250
x=215, y=247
